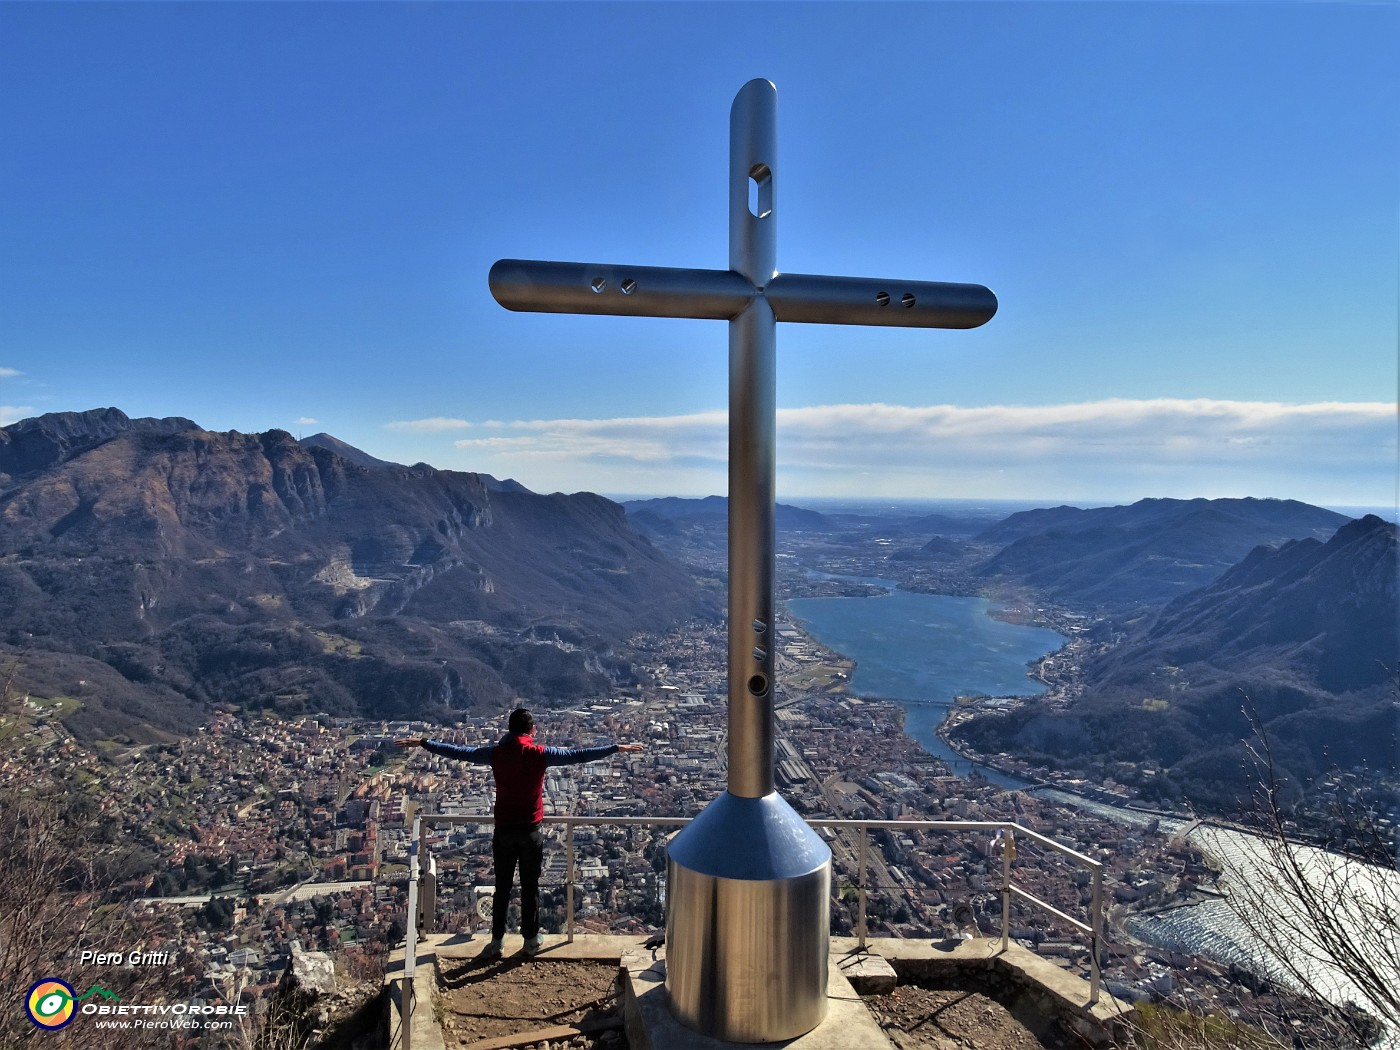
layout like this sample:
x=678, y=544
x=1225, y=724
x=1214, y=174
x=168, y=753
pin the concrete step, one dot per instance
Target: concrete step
x=652, y=1026
x=868, y=973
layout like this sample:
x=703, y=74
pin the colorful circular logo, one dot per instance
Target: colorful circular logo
x=50, y=1003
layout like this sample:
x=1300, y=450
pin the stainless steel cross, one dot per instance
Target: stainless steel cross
x=720, y=959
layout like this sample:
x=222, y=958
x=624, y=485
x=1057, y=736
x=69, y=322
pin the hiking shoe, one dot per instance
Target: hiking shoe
x=492, y=950
x=533, y=944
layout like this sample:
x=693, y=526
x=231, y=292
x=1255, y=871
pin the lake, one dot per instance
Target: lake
x=922, y=650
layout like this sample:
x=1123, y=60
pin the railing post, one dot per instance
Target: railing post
x=1096, y=920
x=860, y=888
x=420, y=833
x=569, y=878
x=427, y=894
x=407, y=998
x=1008, y=850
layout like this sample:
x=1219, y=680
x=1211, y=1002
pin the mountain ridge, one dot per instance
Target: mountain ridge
x=345, y=450
x=348, y=451
x=35, y=443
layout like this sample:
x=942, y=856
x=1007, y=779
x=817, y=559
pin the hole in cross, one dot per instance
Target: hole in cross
x=882, y=298
x=628, y=286
x=760, y=191
x=598, y=284
x=908, y=300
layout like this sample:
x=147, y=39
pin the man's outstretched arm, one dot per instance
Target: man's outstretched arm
x=479, y=755
x=568, y=756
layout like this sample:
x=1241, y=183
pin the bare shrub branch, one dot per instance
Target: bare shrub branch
x=1330, y=925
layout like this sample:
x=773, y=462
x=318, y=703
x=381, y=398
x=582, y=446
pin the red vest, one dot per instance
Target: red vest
x=518, y=765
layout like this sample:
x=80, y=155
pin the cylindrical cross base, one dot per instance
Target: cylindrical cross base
x=748, y=918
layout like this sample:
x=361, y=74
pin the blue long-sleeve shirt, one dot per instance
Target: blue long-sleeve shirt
x=518, y=765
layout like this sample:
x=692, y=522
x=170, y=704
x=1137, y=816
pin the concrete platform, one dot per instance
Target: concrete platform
x=646, y=1008
x=849, y=1024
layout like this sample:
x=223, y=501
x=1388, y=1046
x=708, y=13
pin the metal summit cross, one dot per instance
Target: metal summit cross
x=748, y=882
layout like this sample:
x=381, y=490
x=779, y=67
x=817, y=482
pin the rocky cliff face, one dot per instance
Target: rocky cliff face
x=162, y=549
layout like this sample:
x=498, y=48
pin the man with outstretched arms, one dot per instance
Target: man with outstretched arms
x=518, y=766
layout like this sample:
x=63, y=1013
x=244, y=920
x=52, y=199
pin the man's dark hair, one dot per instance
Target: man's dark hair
x=521, y=721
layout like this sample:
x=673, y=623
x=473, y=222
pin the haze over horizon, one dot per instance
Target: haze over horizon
x=265, y=216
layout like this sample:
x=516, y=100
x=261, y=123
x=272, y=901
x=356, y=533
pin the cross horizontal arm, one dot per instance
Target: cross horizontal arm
x=721, y=295
x=875, y=301
x=633, y=291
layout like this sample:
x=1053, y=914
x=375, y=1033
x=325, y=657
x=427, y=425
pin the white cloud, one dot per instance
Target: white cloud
x=1159, y=446
x=13, y=414
x=651, y=439
x=430, y=425
x=305, y=421
x=1157, y=430
x=9, y=373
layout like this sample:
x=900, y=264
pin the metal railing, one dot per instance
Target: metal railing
x=1007, y=831
x=422, y=888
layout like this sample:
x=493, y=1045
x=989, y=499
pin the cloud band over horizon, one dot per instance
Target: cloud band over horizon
x=428, y=426
x=1165, y=445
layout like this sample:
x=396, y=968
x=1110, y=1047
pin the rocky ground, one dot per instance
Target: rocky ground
x=929, y=1017
x=514, y=996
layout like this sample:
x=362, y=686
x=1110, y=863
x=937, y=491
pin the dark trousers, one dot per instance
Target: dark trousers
x=521, y=844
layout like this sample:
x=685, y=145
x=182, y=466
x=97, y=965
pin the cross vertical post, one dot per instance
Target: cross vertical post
x=753, y=421
x=748, y=881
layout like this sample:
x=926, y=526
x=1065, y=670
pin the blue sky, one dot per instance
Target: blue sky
x=282, y=215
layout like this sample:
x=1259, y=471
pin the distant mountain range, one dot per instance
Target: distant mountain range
x=1121, y=560
x=1273, y=515
x=149, y=568
x=1302, y=639
x=666, y=514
